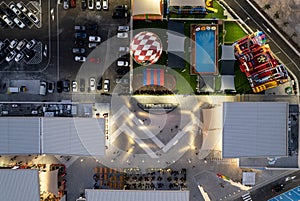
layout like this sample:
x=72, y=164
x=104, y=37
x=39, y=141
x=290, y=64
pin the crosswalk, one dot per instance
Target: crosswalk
x=247, y=197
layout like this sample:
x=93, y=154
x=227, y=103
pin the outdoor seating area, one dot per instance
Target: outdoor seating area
x=106, y=178
x=155, y=179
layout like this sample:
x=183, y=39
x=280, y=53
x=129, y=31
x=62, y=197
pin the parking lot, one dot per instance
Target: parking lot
x=58, y=46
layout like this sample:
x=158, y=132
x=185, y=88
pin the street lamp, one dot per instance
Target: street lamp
x=248, y=18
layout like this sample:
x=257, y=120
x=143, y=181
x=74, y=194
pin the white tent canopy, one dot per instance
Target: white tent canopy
x=187, y=3
x=175, y=42
x=141, y=7
x=249, y=178
x=227, y=82
x=19, y=184
x=212, y=118
x=48, y=181
x=228, y=52
x=135, y=195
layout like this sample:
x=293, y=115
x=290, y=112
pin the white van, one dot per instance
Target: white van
x=105, y=4
x=43, y=88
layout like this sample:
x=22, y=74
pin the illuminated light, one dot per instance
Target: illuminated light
x=143, y=161
x=44, y=154
x=81, y=160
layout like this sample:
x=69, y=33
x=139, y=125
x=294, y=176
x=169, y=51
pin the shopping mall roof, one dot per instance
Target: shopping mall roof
x=19, y=185
x=254, y=129
x=136, y=195
x=62, y=136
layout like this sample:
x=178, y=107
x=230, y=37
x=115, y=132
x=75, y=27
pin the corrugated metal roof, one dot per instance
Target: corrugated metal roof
x=19, y=185
x=135, y=195
x=19, y=135
x=73, y=136
x=254, y=129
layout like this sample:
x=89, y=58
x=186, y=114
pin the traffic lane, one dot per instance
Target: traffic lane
x=245, y=10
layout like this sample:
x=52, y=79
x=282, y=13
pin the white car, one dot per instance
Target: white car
x=80, y=58
x=105, y=4
x=66, y=4
x=19, y=57
x=31, y=44
x=21, y=7
x=98, y=4
x=43, y=88
x=122, y=63
x=91, y=4
x=13, y=43
x=122, y=35
x=92, y=84
x=123, y=49
x=11, y=56
x=95, y=39
x=33, y=17
x=15, y=9
x=106, y=85
x=123, y=28
x=7, y=20
x=93, y=45
x=21, y=44
x=74, y=86
x=20, y=24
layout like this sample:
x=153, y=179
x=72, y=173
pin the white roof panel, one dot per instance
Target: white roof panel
x=141, y=7
x=73, y=136
x=254, y=129
x=135, y=195
x=20, y=185
x=19, y=135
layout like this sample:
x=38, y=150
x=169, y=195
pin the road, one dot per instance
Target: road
x=277, y=44
x=265, y=193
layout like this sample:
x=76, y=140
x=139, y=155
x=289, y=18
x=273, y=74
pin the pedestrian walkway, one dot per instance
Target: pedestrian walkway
x=247, y=197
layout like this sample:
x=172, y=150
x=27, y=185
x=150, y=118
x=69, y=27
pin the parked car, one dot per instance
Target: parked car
x=95, y=39
x=122, y=35
x=22, y=7
x=122, y=81
x=278, y=188
x=119, y=14
x=7, y=20
x=31, y=44
x=51, y=87
x=73, y=3
x=122, y=63
x=79, y=28
x=123, y=49
x=106, y=86
x=59, y=86
x=92, y=45
x=66, y=85
x=18, y=22
x=21, y=44
x=105, y=4
x=91, y=4
x=93, y=27
x=99, y=84
x=74, y=86
x=83, y=4
x=25, y=19
x=98, y=4
x=13, y=43
x=66, y=4
x=19, y=57
x=82, y=85
x=123, y=28
x=92, y=84
x=11, y=56
x=29, y=54
x=78, y=50
x=15, y=9
x=33, y=17
x=43, y=88
x=80, y=35
x=121, y=7
x=80, y=58
x=79, y=42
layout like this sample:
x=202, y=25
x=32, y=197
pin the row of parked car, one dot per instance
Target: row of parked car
x=80, y=37
x=91, y=4
x=17, y=50
x=66, y=86
x=120, y=11
x=17, y=14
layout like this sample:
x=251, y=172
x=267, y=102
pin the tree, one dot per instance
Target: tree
x=276, y=15
x=267, y=6
x=285, y=24
x=294, y=35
